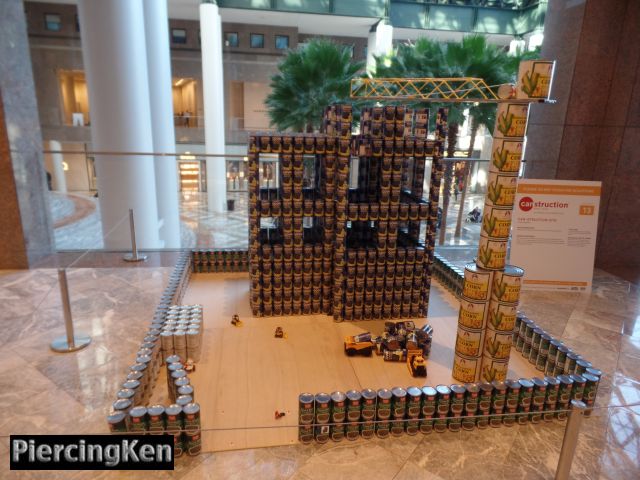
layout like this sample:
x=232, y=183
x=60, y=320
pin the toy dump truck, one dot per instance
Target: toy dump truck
x=416, y=364
x=358, y=344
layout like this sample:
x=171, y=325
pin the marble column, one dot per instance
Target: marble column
x=115, y=61
x=156, y=27
x=26, y=234
x=593, y=131
x=379, y=42
x=213, y=95
x=59, y=181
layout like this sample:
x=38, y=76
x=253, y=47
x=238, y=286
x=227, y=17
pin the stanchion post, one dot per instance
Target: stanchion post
x=570, y=439
x=133, y=256
x=70, y=342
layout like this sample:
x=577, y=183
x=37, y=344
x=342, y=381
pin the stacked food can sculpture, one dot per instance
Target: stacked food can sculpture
x=491, y=288
x=335, y=218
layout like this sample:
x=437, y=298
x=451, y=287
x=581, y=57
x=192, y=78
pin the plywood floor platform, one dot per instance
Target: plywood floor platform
x=245, y=374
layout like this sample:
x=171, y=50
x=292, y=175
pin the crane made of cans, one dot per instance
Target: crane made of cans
x=491, y=289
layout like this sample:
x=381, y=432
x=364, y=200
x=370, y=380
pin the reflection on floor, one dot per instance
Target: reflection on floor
x=77, y=222
x=42, y=392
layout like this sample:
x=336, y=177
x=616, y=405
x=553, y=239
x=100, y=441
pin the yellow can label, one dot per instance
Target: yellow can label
x=501, y=190
x=511, y=120
x=534, y=79
x=497, y=344
x=502, y=317
x=469, y=343
x=492, y=253
x=472, y=315
x=466, y=370
x=493, y=369
x=506, y=155
x=496, y=222
x=475, y=287
x=506, y=289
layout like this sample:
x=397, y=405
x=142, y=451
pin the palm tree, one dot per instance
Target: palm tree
x=474, y=56
x=311, y=77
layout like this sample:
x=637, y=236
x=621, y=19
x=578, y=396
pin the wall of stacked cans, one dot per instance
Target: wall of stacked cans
x=174, y=339
x=320, y=245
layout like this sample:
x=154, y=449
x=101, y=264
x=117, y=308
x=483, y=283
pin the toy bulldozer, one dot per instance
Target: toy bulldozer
x=358, y=345
x=416, y=364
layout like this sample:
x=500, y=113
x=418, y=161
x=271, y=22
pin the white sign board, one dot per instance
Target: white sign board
x=553, y=233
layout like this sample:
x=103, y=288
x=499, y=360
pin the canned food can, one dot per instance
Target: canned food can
x=443, y=400
x=138, y=419
x=506, y=155
x=173, y=418
x=590, y=391
x=570, y=363
x=440, y=423
x=156, y=419
x=414, y=403
x=322, y=408
x=117, y=422
x=535, y=78
x=485, y=396
x=497, y=344
x=502, y=316
x=565, y=390
x=383, y=410
x=551, y=397
x=469, y=343
x=353, y=430
x=457, y=399
x=581, y=366
x=429, y=396
x=337, y=432
x=191, y=416
x=466, y=369
x=477, y=283
x=561, y=357
x=383, y=429
x=492, y=253
x=305, y=434
x=338, y=407
x=496, y=221
x=506, y=284
x=472, y=314
x=498, y=402
x=579, y=384
x=322, y=433
x=541, y=361
x=501, y=190
x=367, y=430
x=511, y=120
x=354, y=400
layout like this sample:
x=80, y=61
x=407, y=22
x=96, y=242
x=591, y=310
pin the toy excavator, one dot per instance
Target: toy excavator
x=416, y=364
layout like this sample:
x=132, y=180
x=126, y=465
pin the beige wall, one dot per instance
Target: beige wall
x=255, y=115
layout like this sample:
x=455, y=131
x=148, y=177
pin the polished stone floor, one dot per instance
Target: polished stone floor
x=43, y=392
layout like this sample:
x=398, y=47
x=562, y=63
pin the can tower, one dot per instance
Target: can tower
x=491, y=289
x=335, y=219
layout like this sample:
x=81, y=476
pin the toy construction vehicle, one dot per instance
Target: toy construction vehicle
x=358, y=345
x=235, y=321
x=416, y=364
x=279, y=332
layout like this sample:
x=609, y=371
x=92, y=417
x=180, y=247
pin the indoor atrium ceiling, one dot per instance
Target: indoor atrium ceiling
x=311, y=24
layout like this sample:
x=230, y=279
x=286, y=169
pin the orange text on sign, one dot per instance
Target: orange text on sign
x=587, y=209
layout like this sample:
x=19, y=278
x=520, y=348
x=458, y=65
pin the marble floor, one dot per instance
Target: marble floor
x=43, y=392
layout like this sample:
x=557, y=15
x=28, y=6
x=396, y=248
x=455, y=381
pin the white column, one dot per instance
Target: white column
x=114, y=55
x=161, y=102
x=379, y=42
x=213, y=96
x=59, y=182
